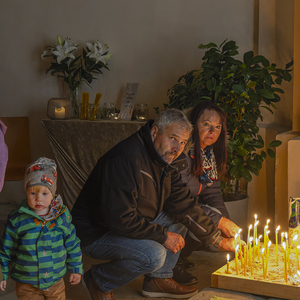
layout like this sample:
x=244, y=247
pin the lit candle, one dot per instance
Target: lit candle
x=267, y=261
x=250, y=254
x=282, y=236
x=255, y=235
x=284, y=254
x=276, y=236
x=286, y=240
x=265, y=236
x=227, y=263
x=245, y=260
x=295, y=238
x=236, y=260
x=259, y=247
x=60, y=112
x=248, y=237
x=263, y=261
x=240, y=246
x=298, y=247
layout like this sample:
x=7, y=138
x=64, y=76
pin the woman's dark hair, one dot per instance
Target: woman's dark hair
x=219, y=147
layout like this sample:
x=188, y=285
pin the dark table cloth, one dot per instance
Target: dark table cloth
x=78, y=144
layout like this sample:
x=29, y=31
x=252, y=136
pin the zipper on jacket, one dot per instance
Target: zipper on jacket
x=195, y=223
x=147, y=174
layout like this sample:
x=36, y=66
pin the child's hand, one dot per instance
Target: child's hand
x=75, y=278
x=3, y=285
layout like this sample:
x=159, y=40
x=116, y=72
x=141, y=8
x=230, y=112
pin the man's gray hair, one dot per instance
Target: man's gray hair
x=171, y=116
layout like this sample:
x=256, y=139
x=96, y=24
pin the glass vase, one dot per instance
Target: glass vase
x=75, y=102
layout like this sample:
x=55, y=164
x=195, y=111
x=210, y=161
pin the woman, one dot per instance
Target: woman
x=206, y=163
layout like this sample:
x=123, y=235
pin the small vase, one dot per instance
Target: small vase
x=75, y=102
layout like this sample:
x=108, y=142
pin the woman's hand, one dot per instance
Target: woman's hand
x=75, y=278
x=227, y=227
x=229, y=244
x=3, y=285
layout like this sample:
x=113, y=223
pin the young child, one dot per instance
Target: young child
x=39, y=239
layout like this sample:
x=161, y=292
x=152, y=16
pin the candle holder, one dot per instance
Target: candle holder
x=59, y=108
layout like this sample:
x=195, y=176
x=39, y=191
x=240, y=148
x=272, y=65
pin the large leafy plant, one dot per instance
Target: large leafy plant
x=243, y=89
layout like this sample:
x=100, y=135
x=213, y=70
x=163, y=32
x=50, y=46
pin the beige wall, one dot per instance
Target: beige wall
x=153, y=42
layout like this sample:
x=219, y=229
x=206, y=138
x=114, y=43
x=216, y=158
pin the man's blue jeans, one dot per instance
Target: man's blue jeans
x=131, y=258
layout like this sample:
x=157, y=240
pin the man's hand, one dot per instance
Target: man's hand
x=3, y=285
x=174, y=242
x=228, y=244
x=227, y=227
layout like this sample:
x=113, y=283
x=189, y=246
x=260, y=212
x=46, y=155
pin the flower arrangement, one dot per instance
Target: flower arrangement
x=75, y=70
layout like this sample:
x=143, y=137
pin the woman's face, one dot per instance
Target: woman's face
x=209, y=128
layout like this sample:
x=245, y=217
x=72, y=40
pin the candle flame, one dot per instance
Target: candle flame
x=237, y=248
x=277, y=229
x=250, y=239
x=286, y=235
x=250, y=227
x=269, y=244
x=295, y=238
x=255, y=216
x=266, y=227
x=284, y=245
x=256, y=223
x=298, y=272
x=259, y=237
x=298, y=247
x=268, y=232
x=268, y=221
x=282, y=234
x=240, y=230
x=262, y=250
x=236, y=236
x=227, y=257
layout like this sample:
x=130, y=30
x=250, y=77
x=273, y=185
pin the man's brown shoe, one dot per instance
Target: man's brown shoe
x=166, y=287
x=93, y=289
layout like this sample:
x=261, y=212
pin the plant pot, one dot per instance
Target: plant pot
x=238, y=210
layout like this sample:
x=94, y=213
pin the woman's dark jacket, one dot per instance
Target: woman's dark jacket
x=205, y=194
x=129, y=186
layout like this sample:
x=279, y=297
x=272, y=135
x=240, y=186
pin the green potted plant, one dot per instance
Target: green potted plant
x=242, y=89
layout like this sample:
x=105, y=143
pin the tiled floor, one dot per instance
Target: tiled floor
x=206, y=262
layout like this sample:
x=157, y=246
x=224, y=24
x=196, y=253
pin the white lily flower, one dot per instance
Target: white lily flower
x=64, y=51
x=97, y=52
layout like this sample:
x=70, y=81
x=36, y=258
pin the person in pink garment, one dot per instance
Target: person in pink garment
x=3, y=154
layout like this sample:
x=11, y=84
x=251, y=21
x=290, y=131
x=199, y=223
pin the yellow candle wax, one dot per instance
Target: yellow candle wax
x=236, y=260
x=286, y=240
x=263, y=261
x=250, y=256
x=267, y=260
x=258, y=246
x=265, y=236
x=276, y=236
x=227, y=263
x=297, y=253
x=245, y=260
x=284, y=254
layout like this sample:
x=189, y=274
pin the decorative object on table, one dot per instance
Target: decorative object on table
x=141, y=112
x=294, y=216
x=84, y=114
x=128, y=101
x=59, y=108
x=76, y=70
x=109, y=110
x=242, y=89
x=93, y=114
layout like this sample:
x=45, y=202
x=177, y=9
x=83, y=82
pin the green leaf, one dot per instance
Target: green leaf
x=271, y=153
x=253, y=170
x=275, y=144
x=238, y=89
x=247, y=57
x=233, y=171
x=246, y=175
x=287, y=76
x=265, y=93
x=211, y=84
x=263, y=155
x=267, y=108
x=210, y=45
x=236, y=161
x=278, y=81
x=259, y=59
x=289, y=64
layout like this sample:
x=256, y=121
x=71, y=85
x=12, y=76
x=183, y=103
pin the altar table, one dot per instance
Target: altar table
x=78, y=144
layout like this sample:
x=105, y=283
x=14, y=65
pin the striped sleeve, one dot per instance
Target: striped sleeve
x=8, y=246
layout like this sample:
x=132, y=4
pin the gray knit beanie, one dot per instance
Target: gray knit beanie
x=41, y=172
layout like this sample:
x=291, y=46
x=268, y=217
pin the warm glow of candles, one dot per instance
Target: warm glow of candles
x=276, y=236
x=263, y=261
x=240, y=245
x=297, y=248
x=282, y=237
x=248, y=237
x=227, y=263
x=258, y=247
x=286, y=240
x=250, y=255
x=265, y=236
x=236, y=259
x=255, y=238
x=267, y=261
x=245, y=259
x=60, y=112
x=284, y=254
